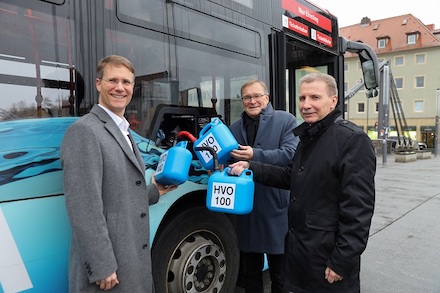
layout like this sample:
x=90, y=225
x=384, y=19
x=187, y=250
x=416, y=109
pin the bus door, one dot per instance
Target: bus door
x=294, y=59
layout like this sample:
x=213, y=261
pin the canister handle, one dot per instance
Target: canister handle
x=245, y=173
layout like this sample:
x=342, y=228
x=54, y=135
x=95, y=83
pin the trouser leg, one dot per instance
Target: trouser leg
x=276, y=269
x=251, y=269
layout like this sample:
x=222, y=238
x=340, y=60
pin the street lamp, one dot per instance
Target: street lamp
x=437, y=106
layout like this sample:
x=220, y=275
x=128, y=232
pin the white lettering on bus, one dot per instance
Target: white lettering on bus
x=13, y=274
x=309, y=15
x=325, y=40
x=298, y=28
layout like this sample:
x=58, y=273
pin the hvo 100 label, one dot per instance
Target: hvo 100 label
x=209, y=141
x=223, y=195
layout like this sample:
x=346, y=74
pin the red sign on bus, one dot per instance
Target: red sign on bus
x=307, y=14
x=295, y=26
x=321, y=38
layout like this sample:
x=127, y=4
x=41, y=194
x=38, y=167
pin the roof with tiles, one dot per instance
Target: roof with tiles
x=395, y=30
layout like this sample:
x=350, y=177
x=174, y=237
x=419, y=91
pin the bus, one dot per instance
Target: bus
x=191, y=58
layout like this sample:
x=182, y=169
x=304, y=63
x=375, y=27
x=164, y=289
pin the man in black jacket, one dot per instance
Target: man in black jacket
x=332, y=194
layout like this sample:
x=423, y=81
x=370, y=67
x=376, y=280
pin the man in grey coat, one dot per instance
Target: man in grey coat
x=266, y=136
x=106, y=193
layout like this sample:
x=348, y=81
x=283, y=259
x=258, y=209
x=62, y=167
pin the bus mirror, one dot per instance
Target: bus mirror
x=369, y=63
x=369, y=78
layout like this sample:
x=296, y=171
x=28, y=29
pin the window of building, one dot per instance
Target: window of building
x=345, y=66
x=420, y=81
x=420, y=58
x=381, y=43
x=361, y=107
x=345, y=86
x=418, y=105
x=345, y=107
x=377, y=107
x=411, y=39
x=399, y=82
x=399, y=60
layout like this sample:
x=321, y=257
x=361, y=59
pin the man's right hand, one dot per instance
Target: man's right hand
x=244, y=152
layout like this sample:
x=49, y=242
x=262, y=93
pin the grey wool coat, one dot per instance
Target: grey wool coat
x=107, y=201
x=265, y=228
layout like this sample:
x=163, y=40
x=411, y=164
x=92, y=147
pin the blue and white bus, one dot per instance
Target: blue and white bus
x=191, y=58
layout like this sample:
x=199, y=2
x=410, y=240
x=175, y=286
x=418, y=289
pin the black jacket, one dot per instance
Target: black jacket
x=331, y=203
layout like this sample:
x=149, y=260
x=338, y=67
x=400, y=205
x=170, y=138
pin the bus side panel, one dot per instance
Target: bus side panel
x=35, y=245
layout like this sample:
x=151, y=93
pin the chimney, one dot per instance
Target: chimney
x=365, y=21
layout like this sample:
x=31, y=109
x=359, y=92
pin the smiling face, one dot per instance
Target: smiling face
x=315, y=102
x=115, y=92
x=254, y=98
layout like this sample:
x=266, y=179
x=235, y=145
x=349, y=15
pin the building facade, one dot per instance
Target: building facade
x=412, y=50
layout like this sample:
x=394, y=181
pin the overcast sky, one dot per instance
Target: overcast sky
x=351, y=12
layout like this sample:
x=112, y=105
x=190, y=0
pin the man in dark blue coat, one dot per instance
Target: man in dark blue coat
x=332, y=193
x=266, y=136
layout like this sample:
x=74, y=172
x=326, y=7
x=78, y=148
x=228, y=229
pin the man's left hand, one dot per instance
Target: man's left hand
x=331, y=276
x=163, y=189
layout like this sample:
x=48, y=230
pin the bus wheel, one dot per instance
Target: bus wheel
x=196, y=252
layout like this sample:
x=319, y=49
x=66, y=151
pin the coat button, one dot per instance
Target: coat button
x=301, y=168
x=138, y=182
x=145, y=246
x=143, y=215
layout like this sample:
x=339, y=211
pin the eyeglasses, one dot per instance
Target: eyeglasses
x=256, y=97
x=114, y=81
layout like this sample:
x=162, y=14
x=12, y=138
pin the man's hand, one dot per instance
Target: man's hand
x=108, y=283
x=238, y=167
x=244, y=152
x=162, y=188
x=331, y=276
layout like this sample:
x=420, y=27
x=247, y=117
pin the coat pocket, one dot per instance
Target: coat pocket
x=321, y=222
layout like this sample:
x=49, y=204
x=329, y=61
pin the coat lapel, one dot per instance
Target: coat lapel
x=114, y=130
x=137, y=153
x=263, y=130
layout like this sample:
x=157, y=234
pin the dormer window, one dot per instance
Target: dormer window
x=411, y=38
x=382, y=43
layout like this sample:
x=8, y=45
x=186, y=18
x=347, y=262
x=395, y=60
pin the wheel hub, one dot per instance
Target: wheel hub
x=198, y=266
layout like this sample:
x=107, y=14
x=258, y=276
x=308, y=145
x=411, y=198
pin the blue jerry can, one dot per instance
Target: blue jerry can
x=174, y=164
x=230, y=194
x=217, y=136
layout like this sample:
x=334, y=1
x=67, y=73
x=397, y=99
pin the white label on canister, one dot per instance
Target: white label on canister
x=209, y=141
x=223, y=195
x=161, y=163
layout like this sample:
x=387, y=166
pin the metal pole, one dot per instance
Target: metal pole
x=436, y=122
x=385, y=100
x=436, y=136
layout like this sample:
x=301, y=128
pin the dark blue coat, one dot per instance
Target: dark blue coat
x=264, y=229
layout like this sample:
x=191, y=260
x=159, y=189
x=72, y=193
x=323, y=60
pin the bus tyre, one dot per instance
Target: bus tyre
x=196, y=252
